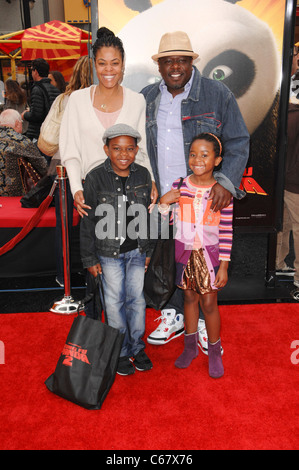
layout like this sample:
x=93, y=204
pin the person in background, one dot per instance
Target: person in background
x=294, y=88
x=15, y=98
x=57, y=79
x=14, y=145
x=41, y=98
x=180, y=106
x=291, y=199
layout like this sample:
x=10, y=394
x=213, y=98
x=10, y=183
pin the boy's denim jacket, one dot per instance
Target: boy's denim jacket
x=209, y=107
x=100, y=231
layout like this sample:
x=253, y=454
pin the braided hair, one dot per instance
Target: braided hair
x=106, y=38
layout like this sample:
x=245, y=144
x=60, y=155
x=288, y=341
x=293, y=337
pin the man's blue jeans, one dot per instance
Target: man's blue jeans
x=123, y=280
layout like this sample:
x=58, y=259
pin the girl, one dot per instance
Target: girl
x=203, y=245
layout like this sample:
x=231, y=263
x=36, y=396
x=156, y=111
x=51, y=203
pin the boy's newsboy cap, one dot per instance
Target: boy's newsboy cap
x=120, y=129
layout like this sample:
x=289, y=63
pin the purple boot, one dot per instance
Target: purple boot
x=216, y=369
x=190, y=351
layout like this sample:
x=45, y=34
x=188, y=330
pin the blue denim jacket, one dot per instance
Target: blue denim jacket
x=100, y=231
x=210, y=107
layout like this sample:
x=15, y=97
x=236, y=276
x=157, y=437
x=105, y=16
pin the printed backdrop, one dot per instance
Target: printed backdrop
x=240, y=43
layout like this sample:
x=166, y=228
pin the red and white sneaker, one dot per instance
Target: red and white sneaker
x=171, y=327
x=203, y=337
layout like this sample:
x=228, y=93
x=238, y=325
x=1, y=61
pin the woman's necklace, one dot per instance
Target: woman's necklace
x=104, y=106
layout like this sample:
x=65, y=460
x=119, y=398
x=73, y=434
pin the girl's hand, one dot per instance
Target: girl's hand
x=80, y=203
x=171, y=197
x=221, y=276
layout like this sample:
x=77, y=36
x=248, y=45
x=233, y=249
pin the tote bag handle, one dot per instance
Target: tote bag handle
x=98, y=288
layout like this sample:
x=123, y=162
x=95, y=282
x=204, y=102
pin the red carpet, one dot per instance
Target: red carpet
x=254, y=406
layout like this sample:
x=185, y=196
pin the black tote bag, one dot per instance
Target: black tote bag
x=86, y=369
x=159, y=281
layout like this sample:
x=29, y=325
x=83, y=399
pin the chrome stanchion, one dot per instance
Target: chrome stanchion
x=67, y=305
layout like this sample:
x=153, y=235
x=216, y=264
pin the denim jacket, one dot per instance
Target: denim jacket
x=210, y=107
x=100, y=231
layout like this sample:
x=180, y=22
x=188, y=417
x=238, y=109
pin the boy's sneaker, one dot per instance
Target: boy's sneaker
x=286, y=271
x=171, y=326
x=141, y=361
x=59, y=282
x=124, y=366
x=296, y=283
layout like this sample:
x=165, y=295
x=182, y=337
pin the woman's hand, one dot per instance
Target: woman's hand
x=80, y=203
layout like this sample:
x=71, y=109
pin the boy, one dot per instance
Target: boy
x=114, y=240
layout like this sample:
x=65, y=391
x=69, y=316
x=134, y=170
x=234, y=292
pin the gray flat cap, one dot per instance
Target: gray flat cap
x=120, y=129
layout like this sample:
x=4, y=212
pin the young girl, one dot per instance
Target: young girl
x=203, y=243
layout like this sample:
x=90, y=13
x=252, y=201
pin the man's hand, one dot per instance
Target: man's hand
x=220, y=196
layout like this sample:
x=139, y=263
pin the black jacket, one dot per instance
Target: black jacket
x=43, y=94
x=100, y=232
x=292, y=157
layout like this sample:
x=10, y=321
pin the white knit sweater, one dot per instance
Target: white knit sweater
x=80, y=140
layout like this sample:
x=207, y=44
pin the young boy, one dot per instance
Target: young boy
x=114, y=239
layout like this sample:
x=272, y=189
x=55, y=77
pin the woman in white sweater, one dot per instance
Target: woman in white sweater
x=91, y=111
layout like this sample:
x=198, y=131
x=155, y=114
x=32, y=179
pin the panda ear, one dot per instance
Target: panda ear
x=232, y=1
x=138, y=5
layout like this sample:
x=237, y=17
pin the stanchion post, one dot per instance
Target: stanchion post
x=67, y=305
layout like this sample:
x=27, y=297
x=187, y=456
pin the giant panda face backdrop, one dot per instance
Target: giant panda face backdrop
x=234, y=46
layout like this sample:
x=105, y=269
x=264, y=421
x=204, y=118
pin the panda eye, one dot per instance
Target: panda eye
x=234, y=68
x=220, y=73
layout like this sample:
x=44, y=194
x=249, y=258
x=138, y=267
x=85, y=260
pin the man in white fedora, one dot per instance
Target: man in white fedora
x=179, y=107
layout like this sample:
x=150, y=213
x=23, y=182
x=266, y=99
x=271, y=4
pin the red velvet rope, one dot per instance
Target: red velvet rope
x=32, y=222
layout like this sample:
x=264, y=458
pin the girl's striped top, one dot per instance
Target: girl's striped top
x=197, y=226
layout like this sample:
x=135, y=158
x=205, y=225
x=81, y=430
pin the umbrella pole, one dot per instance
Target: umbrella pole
x=66, y=306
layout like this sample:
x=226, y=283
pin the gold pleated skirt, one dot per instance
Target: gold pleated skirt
x=196, y=275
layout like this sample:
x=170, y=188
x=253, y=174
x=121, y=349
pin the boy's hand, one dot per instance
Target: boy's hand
x=80, y=203
x=95, y=270
x=147, y=262
x=171, y=197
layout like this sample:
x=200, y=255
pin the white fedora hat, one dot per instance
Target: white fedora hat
x=176, y=43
